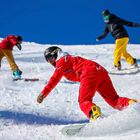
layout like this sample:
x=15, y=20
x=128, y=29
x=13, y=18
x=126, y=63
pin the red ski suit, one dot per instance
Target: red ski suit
x=92, y=77
x=9, y=42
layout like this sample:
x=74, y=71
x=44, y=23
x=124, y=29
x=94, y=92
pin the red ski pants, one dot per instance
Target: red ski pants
x=98, y=81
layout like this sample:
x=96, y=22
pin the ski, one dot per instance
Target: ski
x=125, y=71
x=74, y=129
x=27, y=79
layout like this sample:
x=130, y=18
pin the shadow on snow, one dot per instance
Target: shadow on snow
x=31, y=119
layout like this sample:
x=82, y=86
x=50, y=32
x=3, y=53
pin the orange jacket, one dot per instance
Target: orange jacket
x=9, y=42
x=73, y=68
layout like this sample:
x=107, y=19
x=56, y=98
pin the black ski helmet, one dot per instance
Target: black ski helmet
x=19, y=38
x=105, y=12
x=51, y=52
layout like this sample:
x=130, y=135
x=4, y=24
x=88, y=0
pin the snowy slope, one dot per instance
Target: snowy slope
x=22, y=118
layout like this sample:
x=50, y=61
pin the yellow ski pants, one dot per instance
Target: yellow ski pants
x=9, y=56
x=120, y=51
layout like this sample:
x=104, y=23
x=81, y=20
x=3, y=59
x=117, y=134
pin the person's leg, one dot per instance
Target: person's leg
x=128, y=58
x=88, y=87
x=108, y=92
x=9, y=56
x=117, y=53
x=1, y=56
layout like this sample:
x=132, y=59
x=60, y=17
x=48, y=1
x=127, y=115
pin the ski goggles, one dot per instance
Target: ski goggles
x=106, y=18
x=48, y=57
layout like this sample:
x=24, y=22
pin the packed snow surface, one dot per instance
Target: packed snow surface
x=22, y=118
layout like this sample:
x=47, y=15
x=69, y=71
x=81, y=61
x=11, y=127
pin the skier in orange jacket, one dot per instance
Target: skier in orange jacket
x=92, y=77
x=6, y=48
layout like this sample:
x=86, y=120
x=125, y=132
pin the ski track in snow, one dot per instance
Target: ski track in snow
x=22, y=118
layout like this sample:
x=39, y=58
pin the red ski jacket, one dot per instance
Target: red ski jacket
x=9, y=42
x=71, y=67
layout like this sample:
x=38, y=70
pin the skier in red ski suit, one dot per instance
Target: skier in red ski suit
x=92, y=77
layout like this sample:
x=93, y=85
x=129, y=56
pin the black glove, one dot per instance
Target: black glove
x=99, y=38
x=19, y=46
x=136, y=25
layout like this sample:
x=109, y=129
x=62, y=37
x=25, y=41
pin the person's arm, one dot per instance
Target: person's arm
x=104, y=34
x=56, y=77
x=126, y=23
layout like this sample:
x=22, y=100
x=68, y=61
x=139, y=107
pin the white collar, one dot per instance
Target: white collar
x=61, y=54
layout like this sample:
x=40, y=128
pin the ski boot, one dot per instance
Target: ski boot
x=117, y=68
x=16, y=74
x=135, y=65
x=131, y=101
x=95, y=112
